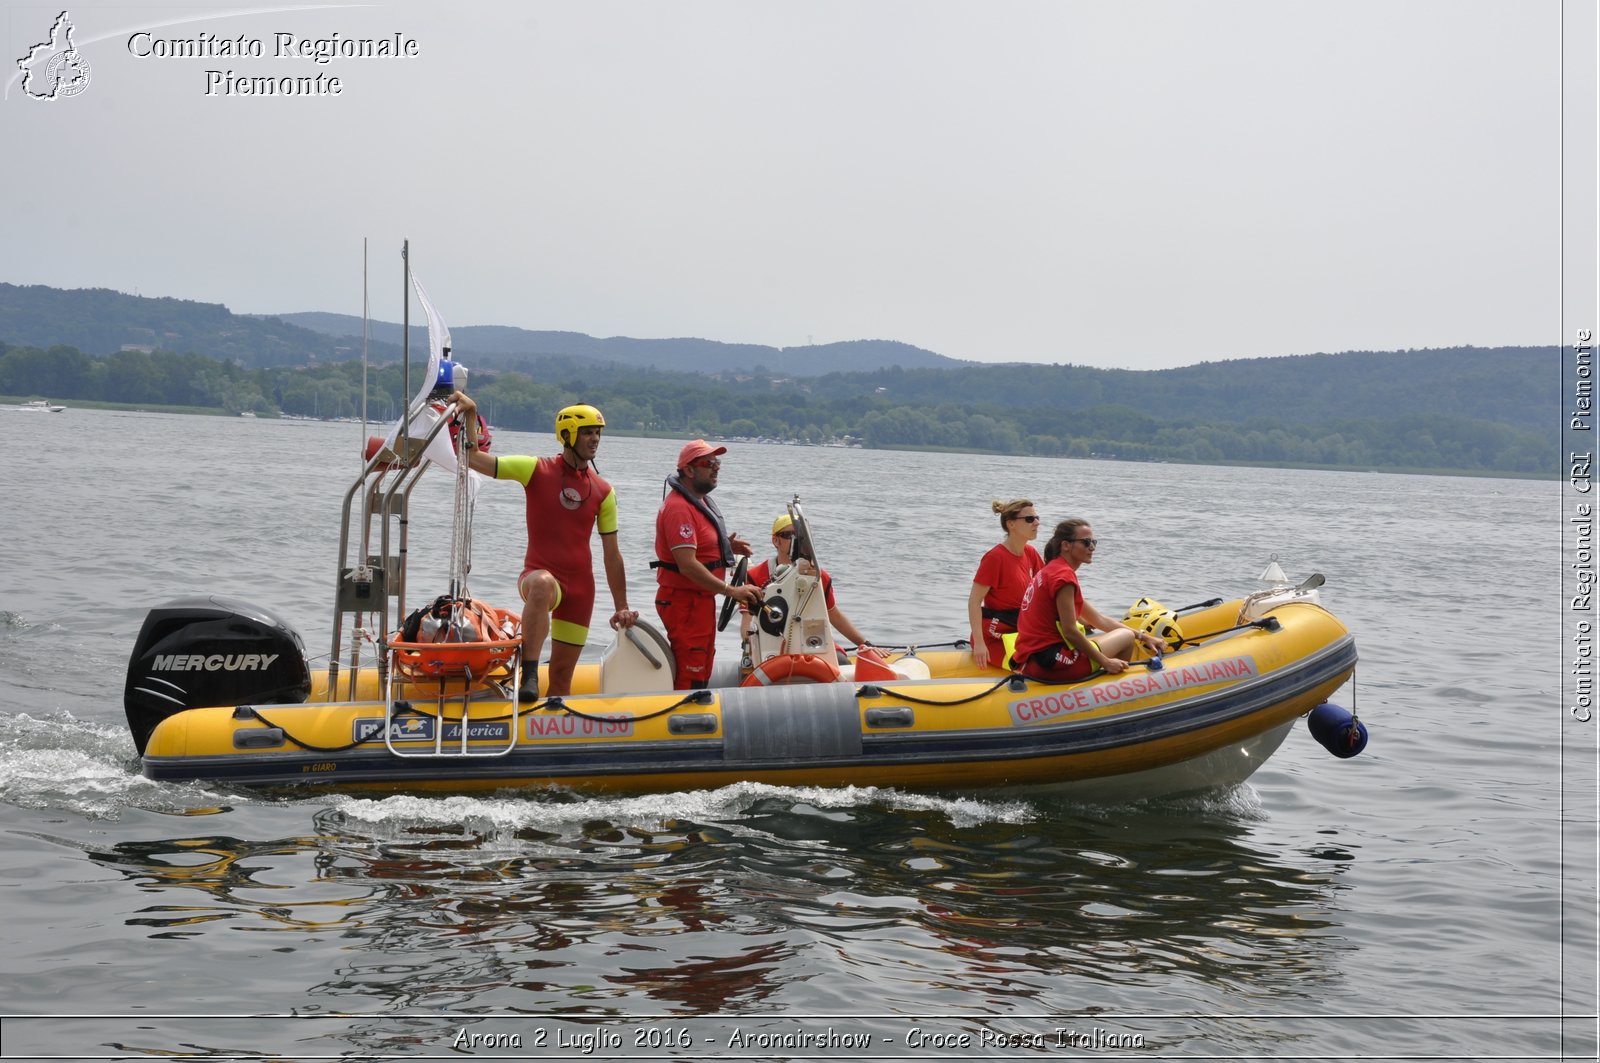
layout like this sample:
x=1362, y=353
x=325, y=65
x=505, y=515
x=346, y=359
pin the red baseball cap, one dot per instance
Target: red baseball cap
x=696, y=450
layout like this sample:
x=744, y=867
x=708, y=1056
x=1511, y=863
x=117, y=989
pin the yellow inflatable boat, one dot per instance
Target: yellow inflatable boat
x=1204, y=716
x=221, y=690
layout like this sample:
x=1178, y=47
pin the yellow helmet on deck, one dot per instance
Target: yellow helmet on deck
x=1140, y=610
x=572, y=418
x=1153, y=618
x=1164, y=626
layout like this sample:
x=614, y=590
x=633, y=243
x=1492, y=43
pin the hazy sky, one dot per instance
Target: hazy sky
x=1139, y=183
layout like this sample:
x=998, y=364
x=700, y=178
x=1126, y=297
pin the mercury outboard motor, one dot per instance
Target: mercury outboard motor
x=196, y=652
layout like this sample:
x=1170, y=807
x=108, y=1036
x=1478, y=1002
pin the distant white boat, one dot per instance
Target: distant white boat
x=38, y=406
x=247, y=413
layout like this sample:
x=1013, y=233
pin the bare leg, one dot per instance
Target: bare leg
x=1118, y=643
x=563, y=659
x=538, y=598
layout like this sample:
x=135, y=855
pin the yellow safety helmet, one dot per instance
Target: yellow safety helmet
x=1140, y=610
x=1164, y=626
x=1153, y=618
x=572, y=418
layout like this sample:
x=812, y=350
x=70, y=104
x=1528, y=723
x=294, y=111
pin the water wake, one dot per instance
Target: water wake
x=60, y=762
x=555, y=810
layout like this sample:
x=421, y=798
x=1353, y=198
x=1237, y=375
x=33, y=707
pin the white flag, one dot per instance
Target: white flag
x=441, y=451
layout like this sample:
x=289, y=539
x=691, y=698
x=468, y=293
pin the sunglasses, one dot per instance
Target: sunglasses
x=1034, y=519
x=1090, y=543
x=706, y=463
x=783, y=535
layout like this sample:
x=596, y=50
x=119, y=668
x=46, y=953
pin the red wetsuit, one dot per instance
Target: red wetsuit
x=564, y=505
x=1041, y=652
x=1007, y=576
x=688, y=613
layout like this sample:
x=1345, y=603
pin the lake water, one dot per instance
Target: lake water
x=1432, y=898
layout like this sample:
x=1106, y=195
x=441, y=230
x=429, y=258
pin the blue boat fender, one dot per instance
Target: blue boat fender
x=1338, y=729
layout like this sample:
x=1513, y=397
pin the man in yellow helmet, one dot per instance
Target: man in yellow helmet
x=566, y=499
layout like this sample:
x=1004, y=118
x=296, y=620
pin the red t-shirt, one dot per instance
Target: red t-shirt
x=680, y=524
x=1006, y=575
x=1039, y=625
x=761, y=575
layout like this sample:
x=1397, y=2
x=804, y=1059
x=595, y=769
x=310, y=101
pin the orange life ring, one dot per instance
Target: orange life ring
x=793, y=668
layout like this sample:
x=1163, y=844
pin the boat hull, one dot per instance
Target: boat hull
x=1206, y=718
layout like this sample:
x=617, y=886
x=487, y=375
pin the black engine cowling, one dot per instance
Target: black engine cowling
x=195, y=652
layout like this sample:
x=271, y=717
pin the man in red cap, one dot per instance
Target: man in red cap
x=694, y=554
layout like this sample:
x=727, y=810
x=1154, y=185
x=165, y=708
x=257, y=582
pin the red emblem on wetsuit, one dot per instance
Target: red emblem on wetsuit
x=570, y=498
x=685, y=532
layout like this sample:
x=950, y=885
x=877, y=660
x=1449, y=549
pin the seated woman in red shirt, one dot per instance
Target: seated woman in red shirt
x=1003, y=574
x=1050, y=644
x=761, y=574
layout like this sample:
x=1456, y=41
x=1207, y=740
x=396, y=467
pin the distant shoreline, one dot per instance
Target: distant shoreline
x=211, y=411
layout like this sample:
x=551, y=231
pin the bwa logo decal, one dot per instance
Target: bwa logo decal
x=402, y=729
x=54, y=69
x=420, y=729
